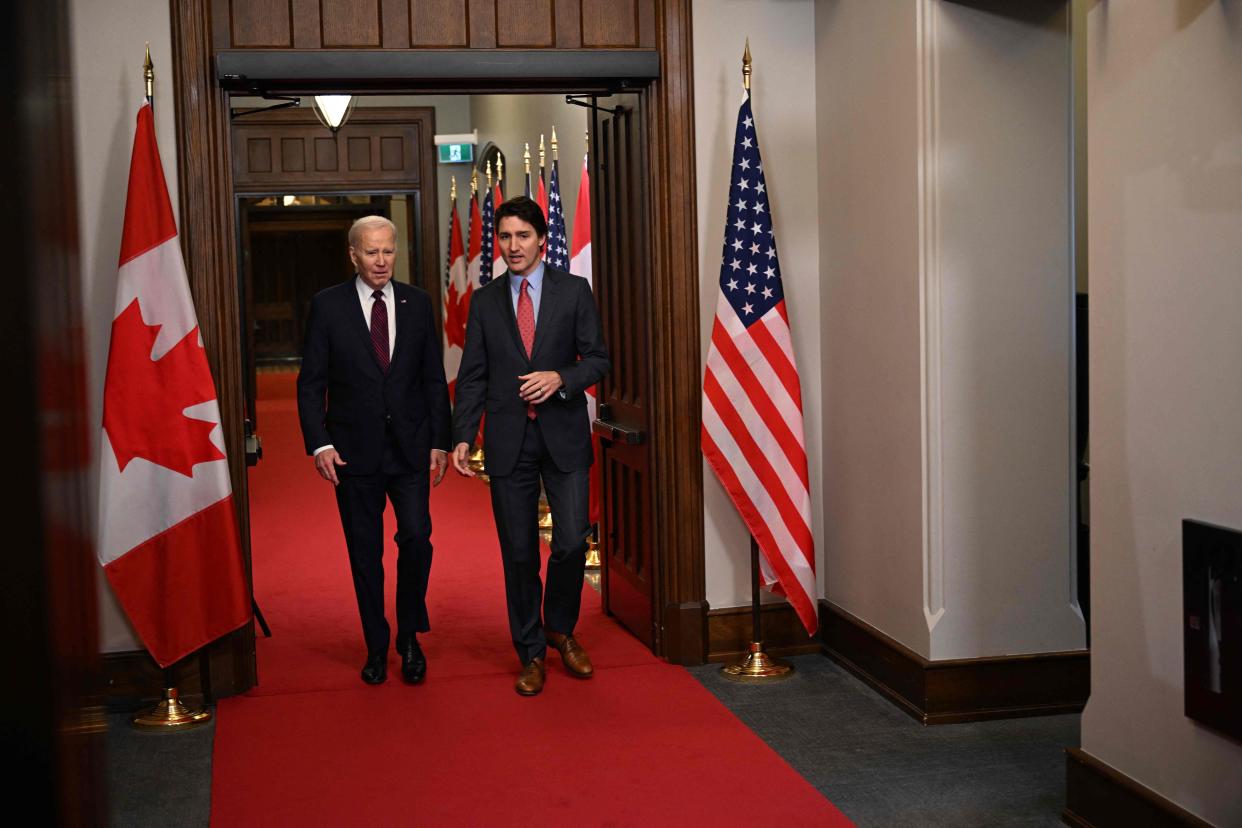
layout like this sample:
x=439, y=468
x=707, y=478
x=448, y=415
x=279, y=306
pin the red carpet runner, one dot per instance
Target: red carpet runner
x=640, y=744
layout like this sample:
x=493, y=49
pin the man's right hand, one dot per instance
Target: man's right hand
x=461, y=460
x=326, y=462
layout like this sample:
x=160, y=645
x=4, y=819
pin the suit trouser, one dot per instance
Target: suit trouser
x=515, y=503
x=361, y=499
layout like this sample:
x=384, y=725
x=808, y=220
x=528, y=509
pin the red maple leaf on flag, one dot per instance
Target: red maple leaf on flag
x=457, y=309
x=144, y=399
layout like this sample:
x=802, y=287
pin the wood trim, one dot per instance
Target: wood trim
x=729, y=636
x=1098, y=795
x=955, y=690
x=676, y=462
x=207, y=219
x=209, y=244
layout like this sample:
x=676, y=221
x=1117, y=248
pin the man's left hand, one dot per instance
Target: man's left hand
x=537, y=386
x=439, y=463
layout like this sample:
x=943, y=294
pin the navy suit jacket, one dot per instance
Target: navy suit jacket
x=346, y=399
x=568, y=339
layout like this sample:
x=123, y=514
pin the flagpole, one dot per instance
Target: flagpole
x=757, y=667
x=170, y=714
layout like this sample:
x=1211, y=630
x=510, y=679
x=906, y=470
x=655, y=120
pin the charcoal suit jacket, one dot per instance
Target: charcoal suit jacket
x=568, y=339
x=347, y=400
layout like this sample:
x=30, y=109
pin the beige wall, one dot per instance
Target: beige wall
x=782, y=43
x=107, y=49
x=1165, y=224
x=945, y=249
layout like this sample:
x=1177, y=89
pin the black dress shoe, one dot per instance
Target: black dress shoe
x=413, y=662
x=375, y=671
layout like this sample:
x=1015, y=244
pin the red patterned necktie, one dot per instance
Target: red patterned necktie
x=379, y=329
x=526, y=327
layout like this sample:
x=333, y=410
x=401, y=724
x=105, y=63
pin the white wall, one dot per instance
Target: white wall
x=867, y=109
x=944, y=146
x=1165, y=224
x=782, y=44
x=107, y=43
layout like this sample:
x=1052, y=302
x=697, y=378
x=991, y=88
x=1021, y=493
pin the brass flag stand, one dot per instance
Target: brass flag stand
x=757, y=667
x=170, y=715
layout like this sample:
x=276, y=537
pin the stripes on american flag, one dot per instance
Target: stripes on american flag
x=752, y=396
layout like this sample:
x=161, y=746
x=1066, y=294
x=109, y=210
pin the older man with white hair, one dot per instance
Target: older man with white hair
x=374, y=408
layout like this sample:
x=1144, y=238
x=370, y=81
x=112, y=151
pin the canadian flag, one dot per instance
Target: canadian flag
x=456, y=299
x=168, y=538
x=541, y=195
x=499, y=268
x=580, y=265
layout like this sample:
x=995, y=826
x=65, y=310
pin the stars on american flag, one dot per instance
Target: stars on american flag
x=749, y=245
x=488, y=222
x=557, y=254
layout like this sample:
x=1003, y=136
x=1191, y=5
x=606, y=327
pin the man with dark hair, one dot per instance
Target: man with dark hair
x=533, y=347
x=374, y=409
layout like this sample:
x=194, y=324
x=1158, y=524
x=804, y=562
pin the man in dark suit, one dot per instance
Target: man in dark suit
x=533, y=347
x=374, y=408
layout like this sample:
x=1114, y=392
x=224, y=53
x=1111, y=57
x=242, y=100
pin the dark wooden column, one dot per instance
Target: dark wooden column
x=677, y=463
x=47, y=579
x=209, y=242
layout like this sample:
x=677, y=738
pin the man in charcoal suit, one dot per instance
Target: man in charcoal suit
x=373, y=404
x=533, y=347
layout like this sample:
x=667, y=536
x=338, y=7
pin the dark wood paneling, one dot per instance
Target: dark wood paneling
x=307, y=27
x=525, y=23
x=293, y=154
x=208, y=241
x=646, y=23
x=261, y=24
x=609, y=23
x=47, y=575
x=348, y=23
x=1097, y=795
x=378, y=148
x=438, y=23
x=396, y=19
x=676, y=387
x=482, y=24
x=956, y=690
x=729, y=633
x=568, y=24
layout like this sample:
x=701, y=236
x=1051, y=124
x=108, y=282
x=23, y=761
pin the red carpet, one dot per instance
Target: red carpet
x=640, y=744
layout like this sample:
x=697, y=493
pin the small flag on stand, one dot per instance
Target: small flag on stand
x=168, y=538
x=752, y=429
x=455, y=297
x=487, y=237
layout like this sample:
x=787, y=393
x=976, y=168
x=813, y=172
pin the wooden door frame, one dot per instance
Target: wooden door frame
x=208, y=238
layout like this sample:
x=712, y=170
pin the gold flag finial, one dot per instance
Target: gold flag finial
x=555, y=154
x=453, y=189
x=746, y=63
x=586, y=135
x=500, y=168
x=541, y=156
x=148, y=73
x=474, y=182
x=489, y=174
x=526, y=157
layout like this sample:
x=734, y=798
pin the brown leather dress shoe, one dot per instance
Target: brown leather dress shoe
x=575, y=659
x=530, y=683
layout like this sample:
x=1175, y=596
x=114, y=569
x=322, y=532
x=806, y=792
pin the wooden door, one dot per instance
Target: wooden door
x=622, y=267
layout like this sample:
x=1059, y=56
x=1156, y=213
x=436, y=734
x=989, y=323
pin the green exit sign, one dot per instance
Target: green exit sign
x=456, y=153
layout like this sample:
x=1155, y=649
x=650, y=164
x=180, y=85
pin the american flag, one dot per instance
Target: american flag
x=488, y=255
x=752, y=397
x=557, y=254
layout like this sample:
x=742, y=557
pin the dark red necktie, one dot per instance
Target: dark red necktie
x=526, y=327
x=379, y=329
